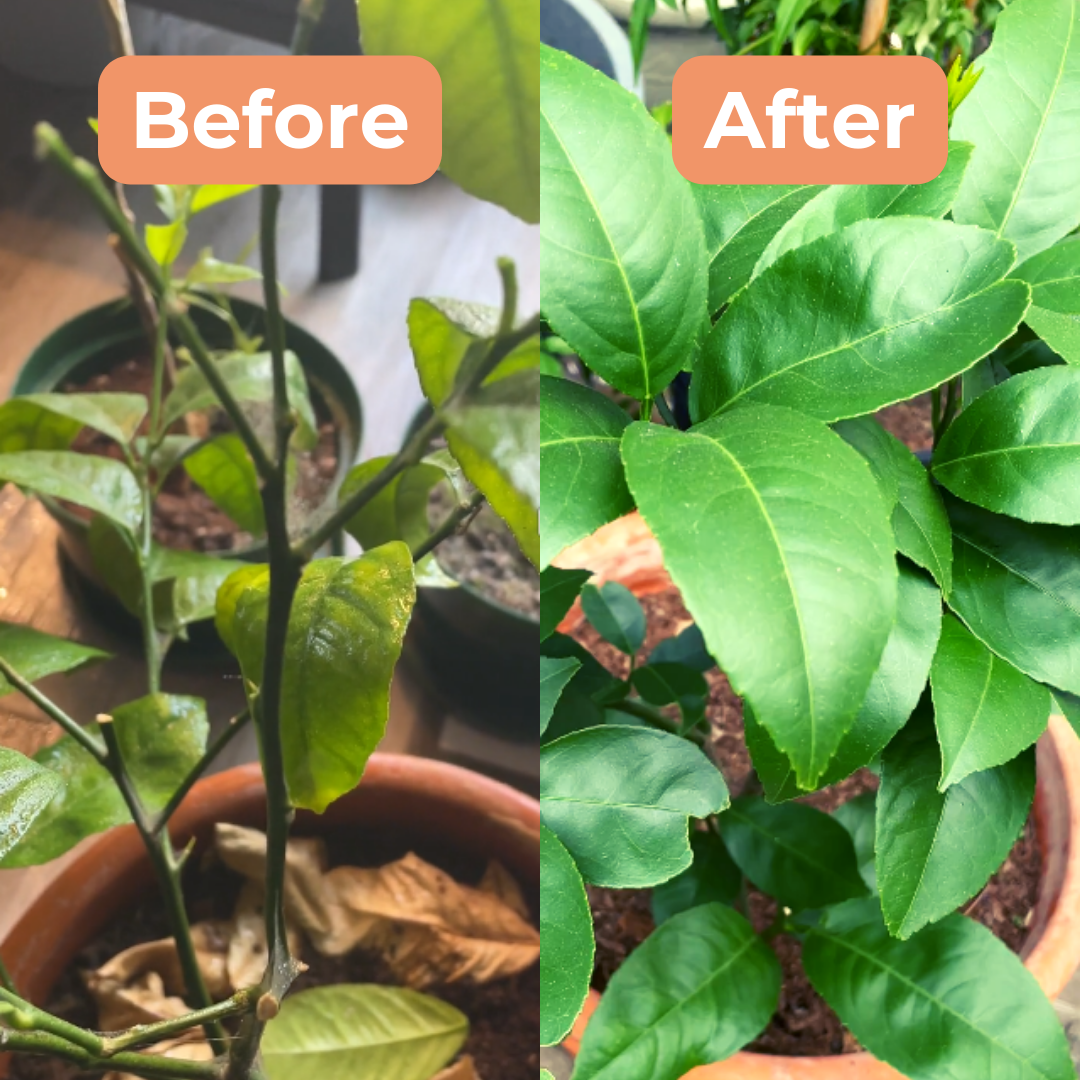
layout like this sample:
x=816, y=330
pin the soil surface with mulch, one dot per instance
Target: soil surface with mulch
x=486, y=556
x=504, y=1016
x=185, y=517
x=804, y=1025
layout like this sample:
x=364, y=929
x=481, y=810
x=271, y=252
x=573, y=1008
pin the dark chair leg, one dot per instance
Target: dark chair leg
x=339, y=231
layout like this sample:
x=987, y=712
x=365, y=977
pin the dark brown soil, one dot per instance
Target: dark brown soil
x=487, y=556
x=804, y=1025
x=910, y=422
x=185, y=517
x=504, y=1017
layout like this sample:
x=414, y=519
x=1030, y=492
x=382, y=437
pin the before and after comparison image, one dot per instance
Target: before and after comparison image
x=698, y=377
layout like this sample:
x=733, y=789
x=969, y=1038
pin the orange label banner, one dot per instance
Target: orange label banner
x=810, y=120
x=270, y=120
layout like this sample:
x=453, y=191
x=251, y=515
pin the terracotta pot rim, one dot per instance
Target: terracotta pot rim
x=1052, y=952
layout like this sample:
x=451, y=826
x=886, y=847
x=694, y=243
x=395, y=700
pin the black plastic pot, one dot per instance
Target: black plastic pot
x=479, y=655
x=585, y=29
x=104, y=336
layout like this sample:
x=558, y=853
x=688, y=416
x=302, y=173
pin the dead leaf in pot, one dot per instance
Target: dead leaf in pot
x=465, y=1069
x=429, y=927
x=498, y=881
x=247, y=943
x=186, y=1049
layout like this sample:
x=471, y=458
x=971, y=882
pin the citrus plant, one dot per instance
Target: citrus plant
x=869, y=607
x=317, y=641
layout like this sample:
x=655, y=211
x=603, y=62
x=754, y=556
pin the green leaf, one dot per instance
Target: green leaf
x=1054, y=277
x=843, y=204
x=698, y=989
x=223, y=469
x=25, y=425
x=582, y=484
x=953, y=1001
x=774, y=769
x=899, y=680
x=210, y=271
x=687, y=648
x=115, y=415
x=554, y=675
x=919, y=520
x=207, y=195
x=674, y=684
x=100, y=484
x=793, y=852
x=34, y=654
x=495, y=438
x=985, y=710
x=932, y=303
x=740, y=220
x=566, y=940
x=1024, y=178
x=859, y=817
x=936, y=850
x=165, y=242
x=622, y=250
x=1016, y=448
x=26, y=789
x=87, y=802
x=711, y=877
x=486, y=54
x=1060, y=332
x=345, y=633
x=802, y=520
x=615, y=615
x=342, y=1032
x=1017, y=587
x=250, y=377
x=788, y=15
x=619, y=799
x=162, y=738
x=558, y=591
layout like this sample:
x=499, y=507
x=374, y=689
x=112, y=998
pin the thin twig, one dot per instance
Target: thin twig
x=456, y=520
x=40, y=1020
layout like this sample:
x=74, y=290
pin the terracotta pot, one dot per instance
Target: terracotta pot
x=404, y=803
x=626, y=551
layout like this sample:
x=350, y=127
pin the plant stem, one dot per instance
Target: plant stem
x=151, y=642
x=449, y=525
x=308, y=17
x=665, y=411
x=651, y=715
x=54, y=712
x=241, y=1002
x=232, y=729
x=161, y=336
x=284, y=420
x=40, y=1020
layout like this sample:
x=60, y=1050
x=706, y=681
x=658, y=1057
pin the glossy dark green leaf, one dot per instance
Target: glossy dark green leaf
x=566, y=940
x=26, y=789
x=1016, y=449
x=806, y=572
x=495, y=437
x=615, y=614
x=342, y=1032
x=250, y=377
x=1024, y=178
x=1017, y=587
x=582, y=485
x=919, y=519
x=223, y=469
x=859, y=817
x=711, y=878
x=1060, y=332
x=843, y=204
x=899, y=680
x=574, y=711
x=554, y=675
x=1054, y=277
x=698, y=989
x=952, y=1001
x=162, y=737
x=1069, y=706
x=932, y=303
x=674, y=684
x=793, y=852
x=619, y=799
x=740, y=220
x=985, y=710
x=115, y=415
x=687, y=648
x=936, y=850
x=622, y=250
x=558, y=591
x=774, y=769
x=34, y=654
x=345, y=633
x=100, y=484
